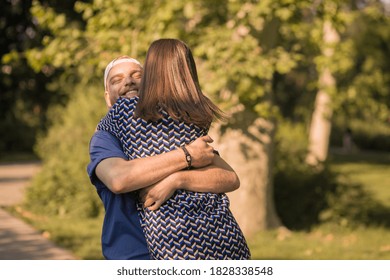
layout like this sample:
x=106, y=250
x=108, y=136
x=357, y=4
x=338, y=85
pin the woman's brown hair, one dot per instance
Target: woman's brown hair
x=170, y=82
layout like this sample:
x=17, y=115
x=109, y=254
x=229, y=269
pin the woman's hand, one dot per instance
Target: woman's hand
x=155, y=195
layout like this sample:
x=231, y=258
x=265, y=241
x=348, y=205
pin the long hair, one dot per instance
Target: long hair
x=170, y=82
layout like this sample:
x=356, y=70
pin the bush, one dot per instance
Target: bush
x=306, y=196
x=350, y=205
x=300, y=190
x=301, y=195
x=63, y=187
x=371, y=136
x=366, y=135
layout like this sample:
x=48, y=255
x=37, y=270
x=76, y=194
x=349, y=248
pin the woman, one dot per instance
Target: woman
x=172, y=111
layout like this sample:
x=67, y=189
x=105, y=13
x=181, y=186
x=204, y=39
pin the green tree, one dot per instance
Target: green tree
x=26, y=95
x=321, y=121
x=249, y=48
x=365, y=86
x=23, y=99
x=353, y=70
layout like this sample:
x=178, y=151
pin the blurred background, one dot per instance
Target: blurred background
x=307, y=85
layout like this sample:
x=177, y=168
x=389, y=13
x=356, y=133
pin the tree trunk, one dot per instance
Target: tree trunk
x=250, y=153
x=321, y=119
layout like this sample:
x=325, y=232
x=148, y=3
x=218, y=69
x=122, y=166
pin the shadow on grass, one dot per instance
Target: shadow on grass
x=367, y=157
x=350, y=204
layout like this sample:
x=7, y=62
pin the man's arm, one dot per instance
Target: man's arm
x=121, y=176
x=216, y=178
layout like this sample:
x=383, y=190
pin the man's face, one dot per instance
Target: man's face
x=123, y=81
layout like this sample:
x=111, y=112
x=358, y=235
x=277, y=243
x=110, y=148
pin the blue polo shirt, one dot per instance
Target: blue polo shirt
x=122, y=235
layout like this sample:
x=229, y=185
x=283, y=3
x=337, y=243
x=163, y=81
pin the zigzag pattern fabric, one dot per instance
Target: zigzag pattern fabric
x=190, y=225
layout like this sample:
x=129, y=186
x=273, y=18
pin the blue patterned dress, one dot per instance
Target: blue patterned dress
x=189, y=225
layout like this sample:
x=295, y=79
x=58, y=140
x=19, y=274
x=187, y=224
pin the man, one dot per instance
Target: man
x=116, y=178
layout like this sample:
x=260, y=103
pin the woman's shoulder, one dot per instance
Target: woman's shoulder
x=124, y=101
x=123, y=106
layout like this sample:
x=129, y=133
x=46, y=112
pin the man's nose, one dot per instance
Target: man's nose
x=129, y=80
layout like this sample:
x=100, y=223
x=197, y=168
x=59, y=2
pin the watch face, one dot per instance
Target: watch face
x=188, y=158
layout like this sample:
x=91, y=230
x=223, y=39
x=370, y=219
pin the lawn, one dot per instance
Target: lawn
x=370, y=169
x=325, y=241
x=330, y=241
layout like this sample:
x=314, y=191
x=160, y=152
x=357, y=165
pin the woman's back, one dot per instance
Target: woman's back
x=189, y=225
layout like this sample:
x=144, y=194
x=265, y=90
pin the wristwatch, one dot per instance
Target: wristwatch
x=188, y=156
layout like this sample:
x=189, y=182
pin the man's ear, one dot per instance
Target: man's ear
x=107, y=98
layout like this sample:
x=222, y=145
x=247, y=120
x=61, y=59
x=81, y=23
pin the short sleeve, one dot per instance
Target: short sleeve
x=103, y=145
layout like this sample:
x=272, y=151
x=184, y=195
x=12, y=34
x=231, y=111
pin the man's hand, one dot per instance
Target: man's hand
x=201, y=152
x=155, y=195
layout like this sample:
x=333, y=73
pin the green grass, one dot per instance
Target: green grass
x=331, y=241
x=370, y=169
x=326, y=242
x=82, y=236
x=323, y=242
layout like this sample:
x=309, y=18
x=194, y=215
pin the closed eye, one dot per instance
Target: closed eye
x=115, y=81
x=137, y=75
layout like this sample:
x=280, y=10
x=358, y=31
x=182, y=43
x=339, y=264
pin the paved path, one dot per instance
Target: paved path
x=18, y=240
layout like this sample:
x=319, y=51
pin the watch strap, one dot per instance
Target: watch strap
x=188, y=156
